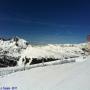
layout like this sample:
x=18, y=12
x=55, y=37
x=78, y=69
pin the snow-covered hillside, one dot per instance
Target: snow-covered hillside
x=17, y=51
x=71, y=76
x=51, y=51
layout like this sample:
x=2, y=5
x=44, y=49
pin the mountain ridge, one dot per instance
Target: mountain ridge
x=24, y=52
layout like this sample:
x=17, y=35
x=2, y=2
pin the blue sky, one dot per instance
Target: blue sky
x=57, y=21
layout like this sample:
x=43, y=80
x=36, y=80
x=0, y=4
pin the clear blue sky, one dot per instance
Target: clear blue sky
x=48, y=21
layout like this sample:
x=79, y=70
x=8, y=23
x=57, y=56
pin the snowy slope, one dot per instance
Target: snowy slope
x=50, y=51
x=74, y=76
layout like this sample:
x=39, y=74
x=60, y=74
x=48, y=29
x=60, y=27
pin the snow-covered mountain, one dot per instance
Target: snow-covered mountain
x=10, y=50
x=17, y=51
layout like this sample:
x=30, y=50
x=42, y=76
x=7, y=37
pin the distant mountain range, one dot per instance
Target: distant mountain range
x=17, y=51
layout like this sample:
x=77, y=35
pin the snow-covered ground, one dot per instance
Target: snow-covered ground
x=71, y=76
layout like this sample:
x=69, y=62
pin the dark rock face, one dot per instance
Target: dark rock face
x=26, y=60
x=6, y=61
x=36, y=60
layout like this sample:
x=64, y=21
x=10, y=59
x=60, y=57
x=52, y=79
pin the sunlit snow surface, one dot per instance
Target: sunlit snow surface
x=71, y=76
